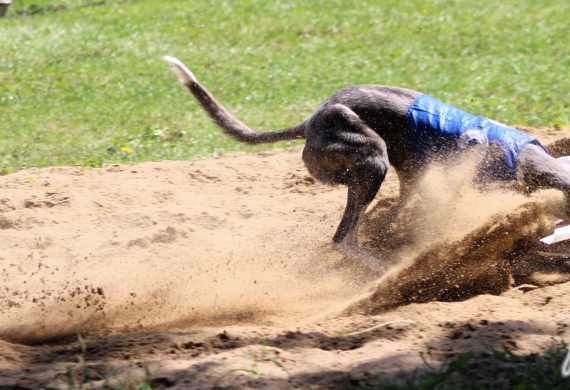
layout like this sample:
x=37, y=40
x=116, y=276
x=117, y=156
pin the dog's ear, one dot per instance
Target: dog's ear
x=559, y=147
x=184, y=75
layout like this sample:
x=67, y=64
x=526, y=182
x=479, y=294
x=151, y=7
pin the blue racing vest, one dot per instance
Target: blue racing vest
x=435, y=126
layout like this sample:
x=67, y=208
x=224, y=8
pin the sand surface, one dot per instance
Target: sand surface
x=219, y=273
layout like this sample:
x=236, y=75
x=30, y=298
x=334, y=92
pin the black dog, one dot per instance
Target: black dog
x=359, y=131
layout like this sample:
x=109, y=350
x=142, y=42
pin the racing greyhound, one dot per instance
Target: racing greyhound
x=357, y=133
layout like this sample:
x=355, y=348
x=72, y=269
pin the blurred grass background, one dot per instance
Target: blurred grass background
x=83, y=82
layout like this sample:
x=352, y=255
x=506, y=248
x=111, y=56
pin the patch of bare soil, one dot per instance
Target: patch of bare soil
x=218, y=273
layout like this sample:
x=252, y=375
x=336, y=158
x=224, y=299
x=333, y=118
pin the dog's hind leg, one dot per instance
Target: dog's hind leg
x=342, y=149
x=362, y=188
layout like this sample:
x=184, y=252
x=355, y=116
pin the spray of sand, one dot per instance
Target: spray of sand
x=452, y=240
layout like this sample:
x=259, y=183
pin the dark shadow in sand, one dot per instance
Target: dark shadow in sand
x=486, y=368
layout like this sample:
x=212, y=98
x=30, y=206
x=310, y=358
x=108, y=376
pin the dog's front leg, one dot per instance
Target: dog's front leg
x=537, y=170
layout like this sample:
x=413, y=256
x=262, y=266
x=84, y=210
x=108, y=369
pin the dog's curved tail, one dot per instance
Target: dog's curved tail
x=224, y=119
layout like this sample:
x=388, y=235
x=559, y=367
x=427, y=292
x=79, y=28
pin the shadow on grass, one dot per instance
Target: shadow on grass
x=493, y=370
x=135, y=346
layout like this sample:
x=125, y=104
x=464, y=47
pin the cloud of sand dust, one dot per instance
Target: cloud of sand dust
x=269, y=279
x=451, y=238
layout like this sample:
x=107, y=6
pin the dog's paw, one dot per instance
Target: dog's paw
x=376, y=265
x=357, y=254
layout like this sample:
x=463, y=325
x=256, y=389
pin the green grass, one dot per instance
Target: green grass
x=500, y=370
x=79, y=83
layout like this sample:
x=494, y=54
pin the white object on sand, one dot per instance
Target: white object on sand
x=560, y=234
x=565, y=160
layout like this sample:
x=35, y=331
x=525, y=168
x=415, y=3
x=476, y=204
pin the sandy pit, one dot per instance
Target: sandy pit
x=219, y=273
